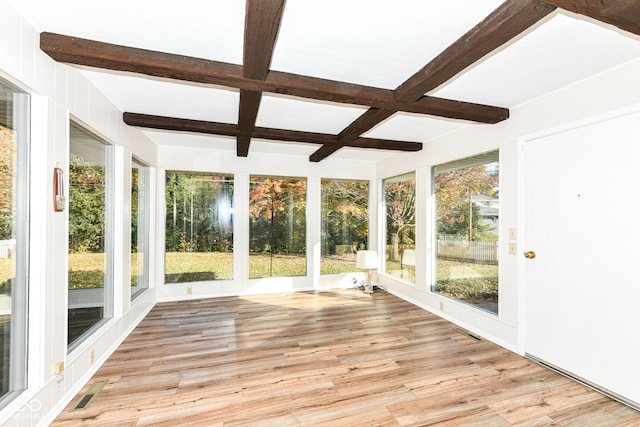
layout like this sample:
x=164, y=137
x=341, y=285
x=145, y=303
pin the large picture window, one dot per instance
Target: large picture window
x=277, y=227
x=139, y=227
x=14, y=215
x=467, y=213
x=400, y=226
x=345, y=224
x=90, y=275
x=199, y=227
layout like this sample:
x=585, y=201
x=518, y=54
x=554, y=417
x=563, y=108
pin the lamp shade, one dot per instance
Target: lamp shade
x=367, y=260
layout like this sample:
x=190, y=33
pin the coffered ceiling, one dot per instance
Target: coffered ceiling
x=356, y=79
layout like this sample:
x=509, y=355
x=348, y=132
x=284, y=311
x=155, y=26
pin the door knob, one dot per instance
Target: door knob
x=530, y=254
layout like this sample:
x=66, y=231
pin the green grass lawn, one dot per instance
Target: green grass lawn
x=462, y=280
x=336, y=264
x=198, y=266
x=472, y=282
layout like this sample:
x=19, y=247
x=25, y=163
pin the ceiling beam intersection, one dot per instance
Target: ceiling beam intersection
x=108, y=56
x=508, y=21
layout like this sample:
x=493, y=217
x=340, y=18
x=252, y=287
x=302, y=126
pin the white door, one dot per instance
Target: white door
x=582, y=220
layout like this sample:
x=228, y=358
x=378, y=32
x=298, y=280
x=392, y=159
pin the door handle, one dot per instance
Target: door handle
x=530, y=254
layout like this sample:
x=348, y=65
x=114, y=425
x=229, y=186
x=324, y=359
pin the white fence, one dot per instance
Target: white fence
x=7, y=248
x=472, y=251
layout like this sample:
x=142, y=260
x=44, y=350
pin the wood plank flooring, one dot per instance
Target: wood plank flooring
x=339, y=358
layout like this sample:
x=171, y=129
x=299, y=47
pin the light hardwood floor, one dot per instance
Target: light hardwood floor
x=339, y=358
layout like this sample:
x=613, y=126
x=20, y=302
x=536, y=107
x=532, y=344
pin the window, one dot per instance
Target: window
x=345, y=224
x=277, y=227
x=139, y=227
x=400, y=226
x=199, y=227
x=467, y=213
x=90, y=275
x=14, y=239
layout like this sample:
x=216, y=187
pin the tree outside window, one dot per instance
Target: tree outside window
x=467, y=217
x=199, y=227
x=400, y=228
x=277, y=226
x=345, y=224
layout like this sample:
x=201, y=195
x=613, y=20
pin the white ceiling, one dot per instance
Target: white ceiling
x=370, y=42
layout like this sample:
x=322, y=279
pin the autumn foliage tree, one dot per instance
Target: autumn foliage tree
x=277, y=217
x=345, y=214
x=7, y=162
x=455, y=211
x=400, y=199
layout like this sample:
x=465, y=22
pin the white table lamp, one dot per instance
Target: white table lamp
x=367, y=260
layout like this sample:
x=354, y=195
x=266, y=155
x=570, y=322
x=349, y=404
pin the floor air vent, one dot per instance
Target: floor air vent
x=468, y=334
x=88, y=397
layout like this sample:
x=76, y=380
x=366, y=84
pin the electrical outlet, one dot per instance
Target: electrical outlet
x=441, y=305
x=189, y=290
x=513, y=248
x=92, y=357
x=59, y=367
x=513, y=233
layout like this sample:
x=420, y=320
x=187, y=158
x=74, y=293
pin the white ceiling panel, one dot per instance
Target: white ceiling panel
x=212, y=29
x=372, y=42
x=191, y=140
x=413, y=127
x=164, y=98
x=559, y=52
x=295, y=114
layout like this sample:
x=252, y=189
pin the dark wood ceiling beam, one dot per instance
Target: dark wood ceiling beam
x=262, y=23
x=624, y=14
x=365, y=122
x=226, y=129
x=505, y=23
x=324, y=152
x=261, y=26
x=96, y=54
x=502, y=25
x=248, y=112
x=179, y=124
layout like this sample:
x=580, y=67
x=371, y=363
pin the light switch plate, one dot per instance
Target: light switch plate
x=513, y=233
x=513, y=248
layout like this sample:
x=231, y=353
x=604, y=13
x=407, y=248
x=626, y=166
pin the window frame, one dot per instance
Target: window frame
x=109, y=231
x=323, y=231
x=403, y=177
x=304, y=179
x=139, y=288
x=226, y=177
x=19, y=321
x=480, y=159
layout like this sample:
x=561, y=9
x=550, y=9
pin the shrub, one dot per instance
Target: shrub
x=471, y=289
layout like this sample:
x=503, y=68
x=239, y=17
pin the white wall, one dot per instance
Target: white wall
x=60, y=92
x=612, y=90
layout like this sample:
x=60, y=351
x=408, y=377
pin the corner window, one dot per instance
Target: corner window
x=345, y=224
x=14, y=238
x=467, y=217
x=90, y=275
x=277, y=226
x=400, y=226
x=139, y=227
x=199, y=227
